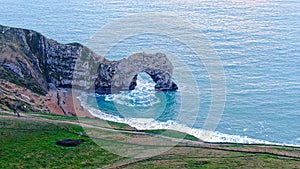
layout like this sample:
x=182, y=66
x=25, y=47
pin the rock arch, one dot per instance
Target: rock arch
x=122, y=75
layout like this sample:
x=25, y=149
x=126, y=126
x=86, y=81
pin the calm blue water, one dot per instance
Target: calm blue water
x=258, y=42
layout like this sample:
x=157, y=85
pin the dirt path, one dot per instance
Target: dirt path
x=263, y=149
x=36, y=117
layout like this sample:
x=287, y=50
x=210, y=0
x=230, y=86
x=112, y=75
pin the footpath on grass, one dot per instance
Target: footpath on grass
x=283, y=151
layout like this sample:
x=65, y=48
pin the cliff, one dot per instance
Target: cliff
x=30, y=60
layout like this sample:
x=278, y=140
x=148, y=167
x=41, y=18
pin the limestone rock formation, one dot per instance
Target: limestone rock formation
x=122, y=75
x=31, y=60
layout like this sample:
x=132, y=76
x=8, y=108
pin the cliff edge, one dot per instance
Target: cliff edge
x=31, y=61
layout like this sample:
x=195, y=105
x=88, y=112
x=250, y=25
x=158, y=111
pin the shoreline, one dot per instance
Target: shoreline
x=188, y=131
x=67, y=103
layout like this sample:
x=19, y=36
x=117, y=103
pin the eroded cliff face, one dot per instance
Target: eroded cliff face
x=31, y=60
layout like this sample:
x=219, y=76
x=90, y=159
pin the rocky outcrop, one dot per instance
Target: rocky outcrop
x=122, y=75
x=31, y=60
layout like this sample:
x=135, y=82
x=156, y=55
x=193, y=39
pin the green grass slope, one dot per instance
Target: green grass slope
x=27, y=143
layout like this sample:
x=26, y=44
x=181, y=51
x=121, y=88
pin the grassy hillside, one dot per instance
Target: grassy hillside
x=29, y=143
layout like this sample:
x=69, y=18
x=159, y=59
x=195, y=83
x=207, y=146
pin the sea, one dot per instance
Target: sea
x=257, y=43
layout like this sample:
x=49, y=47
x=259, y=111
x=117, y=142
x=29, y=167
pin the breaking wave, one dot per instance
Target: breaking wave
x=150, y=124
x=144, y=96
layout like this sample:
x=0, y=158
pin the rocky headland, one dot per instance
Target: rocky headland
x=38, y=73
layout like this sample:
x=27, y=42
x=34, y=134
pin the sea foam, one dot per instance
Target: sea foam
x=152, y=124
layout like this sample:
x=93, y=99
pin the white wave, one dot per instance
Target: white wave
x=142, y=96
x=152, y=124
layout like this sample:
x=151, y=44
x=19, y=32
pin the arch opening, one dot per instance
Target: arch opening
x=162, y=80
x=141, y=80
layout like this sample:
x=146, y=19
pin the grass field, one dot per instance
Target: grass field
x=28, y=143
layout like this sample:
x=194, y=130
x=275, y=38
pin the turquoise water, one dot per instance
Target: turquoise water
x=258, y=43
